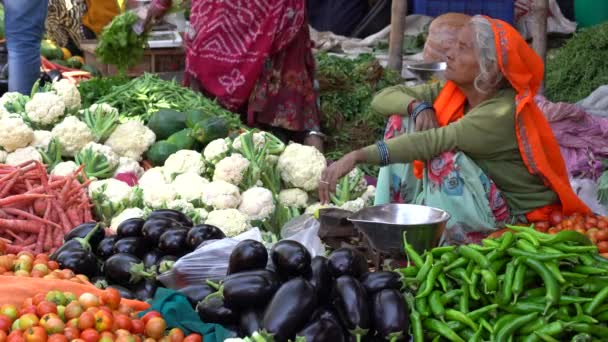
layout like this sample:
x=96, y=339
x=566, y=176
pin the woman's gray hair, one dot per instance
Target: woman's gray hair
x=489, y=73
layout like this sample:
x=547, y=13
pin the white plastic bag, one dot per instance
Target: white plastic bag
x=305, y=230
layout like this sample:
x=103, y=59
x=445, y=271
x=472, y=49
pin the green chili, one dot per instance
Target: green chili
x=507, y=240
x=477, y=336
x=530, y=238
x=518, y=281
x=460, y=274
x=410, y=271
x=490, y=283
x=443, y=282
x=451, y=295
x=506, y=290
x=572, y=275
x=593, y=329
x=490, y=243
x=460, y=262
x=439, y=251
x=442, y=329
x=554, y=269
x=463, y=301
x=454, y=315
x=415, y=320
x=448, y=257
x=473, y=286
x=512, y=326
x=437, y=308
x=479, y=248
x=532, y=326
x=524, y=245
x=426, y=267
x=550, y=329
x=475, y=256
x=598, y=300
x=411, y=252
x=486, y=325
x=502, y=321
x=497, y=265
x=553, y=290
x=538, y=256
x=422, y=306
x=575, y=249
x=582, y=269
x=545, y=337
x=477, y=314
x=567, y=236
x=430, y=280
x=550, y=250
x=563, y=300
x=522, y=307
x=602, y=316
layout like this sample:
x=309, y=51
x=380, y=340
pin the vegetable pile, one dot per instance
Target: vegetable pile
x=119, y=45
x=36, y=210
x=25, y=264
x=578, y=68
x=310, y=299
x=525, y=285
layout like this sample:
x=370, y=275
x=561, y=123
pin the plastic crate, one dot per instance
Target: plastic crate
x=499, y=9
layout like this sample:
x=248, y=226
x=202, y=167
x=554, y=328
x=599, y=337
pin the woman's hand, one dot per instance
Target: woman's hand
x=426, y=120
x=335, y=171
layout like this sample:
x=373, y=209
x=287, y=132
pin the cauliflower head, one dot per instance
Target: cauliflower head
x=180, y=205
x=15, y=133
x=42, y=139
x=313, y=208
x=131, y=139
x=115, y=191
x=45, y=109
x=104, y=108
x=301, y=166
x=216, y=150
x=64, y=168
x=3, y=155
x=159, y=196
x=11, y=102
x=189, y=186
x=104, y=150
x=152, y=177
x=257, y=203
x=369, y=194
x=199, y=215
x=69, y=94
x=128, y=165
x=231, y=221
x=22, y=155
x=184, y=161
x=124, y=215
x=354, y=205
x=3, y=112
x=295, y=197
x=221, y=195
x=231, y=169
x=259, y=139
x=72, y=134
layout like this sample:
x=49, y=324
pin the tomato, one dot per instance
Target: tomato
x=30, y=309
x=553, y=230
x=602, y=224
x=86, y=321
x=38, y=298
x=43, y=268
x=52, y=324
x=88, y=300
x=5, y=323
x=71, y=333
x=137, y=326
x=602, y=235
x=93, y=310
x=602, y=246
x=155, y=327
x=149, y=340
x=56, y=297
x=10, y=311
x=77, y=340
x=581, y=231
x=2, y=333
x=103, y=321
x=107, y=334
x=137, y=338
x=57, y=338
x=604, y=255
x=45, y=307
x=106, y=339
x=106, y=309
x=111, y=298
x=53, y=265
x=555, y=217
x=73, y=323
x=164, y=339
x=193, y=338
x=35, y=334
x=28, y=320
x=123, y=322
x=15, y=336
x=176, y=335
x=541, y=226
x=90, y=335
x=125, y=309
x=67, y=274
x=125, y=338
x=150, y=314
x=122, y=332
x=73, y=310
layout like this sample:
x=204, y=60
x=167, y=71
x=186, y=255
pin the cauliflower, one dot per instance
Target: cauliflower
x=124, y=215
x=259, y=139
x=69, y=94
x=257, y=203
x=199, y=215
x=313, y=208
x=369, y=194
x=42, y=139
x=131, y=139
x=301, y=166
x=4, y=113
x=184, y=161
x=158, y=196
x=115, y=191
x=104, y=108
x=72, y=134
x=272, y=159
x=221, y=195
x=22, y=155
x=152, y=177
x=216, y=150
x=3, y=155
x=354, y=205
x=180, y=205
x=45, y=109
x=14, y=133
x=231, y=169
x=189, y=186
x=128, y=165
x=361, y=185
x=12, y=102
x=296, y=198
x=64, y=168
x=104, y=150
x=231, y=221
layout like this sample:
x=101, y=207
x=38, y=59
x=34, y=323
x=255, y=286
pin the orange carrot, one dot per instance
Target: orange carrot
x=9, y=185
x=20, y=225
x=26, y=215
x=21, y=198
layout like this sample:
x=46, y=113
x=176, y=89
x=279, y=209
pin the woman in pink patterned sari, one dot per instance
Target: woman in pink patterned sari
x=255, y=58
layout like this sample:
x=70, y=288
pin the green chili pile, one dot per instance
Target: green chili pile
x=119, y=45
x=524, y=286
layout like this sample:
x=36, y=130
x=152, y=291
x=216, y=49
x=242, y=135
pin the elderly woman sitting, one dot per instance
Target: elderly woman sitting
x=482, y=151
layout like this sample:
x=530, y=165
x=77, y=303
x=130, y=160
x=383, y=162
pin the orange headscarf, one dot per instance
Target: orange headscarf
x=539, y=150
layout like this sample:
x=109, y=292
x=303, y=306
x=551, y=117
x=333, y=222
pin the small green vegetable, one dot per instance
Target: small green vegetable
x=119, y=45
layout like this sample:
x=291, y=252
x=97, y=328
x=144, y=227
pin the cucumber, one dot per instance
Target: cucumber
x=166, y=122
x=195, y=115
x=210, y=129
x=160, y=151
x=182, y=139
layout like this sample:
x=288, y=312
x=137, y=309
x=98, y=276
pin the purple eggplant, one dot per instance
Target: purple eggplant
x=289, y=309
x=152, y=257
x=130, y=227
x=165, y=263
x=173, y=241
x=347, y=261
x=390, y=315
x=145, y=290
x=351, y=302
x=196, y=293
x=323, y=330
x=320, y=277
x=105, y=249
x=125, y=269
x=82, y=230
x=377, y=281
x=213, y=310
x=201, y=233
x=131, y=245
x=250, y=321
x=124, y=292
x=248, y=255
x=155, y=227
x=291, y=259
x=174, y=215
x=250, y=289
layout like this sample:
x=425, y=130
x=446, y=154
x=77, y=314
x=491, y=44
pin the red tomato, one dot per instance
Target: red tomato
x=137, y=326
x=125, y=338
x=9, y=310
x=15, y=336
x=52, y=324
x=5, y=323
x=38, y=298
x=155, y=327
x=57, y=338
x=122, y=332
x=45, y=307
x=602, y=246
x=592, y=220
x=35, y=334
x=28, y=320
x=103, y=321
x=2, y=333
x=123, y=322
x=149, y=315
x=53, y=265
x=602, y=235
x=555, y=217
x=107, y=334
x=602, y=224
x=176, y=335
x=88, y=300
x=553, y=230
x=73, y=310
x=86, y=321
x=137, y=338
x=125, y=309
x=111, y=298
x=193, y=338
x=90, y=335
x=71, y=333
x=149, y=340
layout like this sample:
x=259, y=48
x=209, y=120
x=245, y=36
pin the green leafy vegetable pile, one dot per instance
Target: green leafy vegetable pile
x=346, y=89
x=579, y=67
x=95, y=88
x=119, y=45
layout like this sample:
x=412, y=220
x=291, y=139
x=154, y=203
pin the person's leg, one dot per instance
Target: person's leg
x=24, y=29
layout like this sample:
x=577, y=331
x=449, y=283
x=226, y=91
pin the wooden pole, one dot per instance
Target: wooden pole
x=540, y=11
x=395, y=47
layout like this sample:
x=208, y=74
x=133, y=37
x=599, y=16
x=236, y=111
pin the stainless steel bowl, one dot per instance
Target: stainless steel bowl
x=384, y=226
x=425, y=71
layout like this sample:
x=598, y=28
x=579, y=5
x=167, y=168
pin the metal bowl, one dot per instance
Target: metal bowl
x=425, y=71
x=384, y=226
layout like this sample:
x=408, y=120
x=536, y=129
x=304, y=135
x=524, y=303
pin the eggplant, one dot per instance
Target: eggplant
x=165, y=263
x=377, y=281
x=174, y=215
x=201, y=233
x=105, y=249
x=251, y=289
x=76, y=255
x=131, y=245
x=347, y=261
x=289, y=309
x=291, y=259
x=320, y=277
x=124, y=292
x=248, y=255
x=155, y=227
x=130, y=227
x=99, y=282
x=390, y=315
x=82, y=230
x=250, y=321
x=213, y=310
x=351, y=302
x=196, y=293
x=323, y=330
x=125, y=269
x=152, y=258
x=173, y=241
x=326, y=312
x=145, y=290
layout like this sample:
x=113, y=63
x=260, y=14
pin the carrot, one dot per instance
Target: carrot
x=48, y=240
x=88, y=217
x=58, y=237
x=9, y=176
x=65, y=222
x=21, y=198
x=19, y=225
x=72, y=215
x=9, y=185
x=31, y=239
x=14, y=236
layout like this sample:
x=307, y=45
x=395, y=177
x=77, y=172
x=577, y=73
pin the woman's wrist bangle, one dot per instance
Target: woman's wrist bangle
x=383, y=152
x=422, y=106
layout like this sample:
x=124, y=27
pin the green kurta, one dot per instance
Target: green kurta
x=486, y=134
